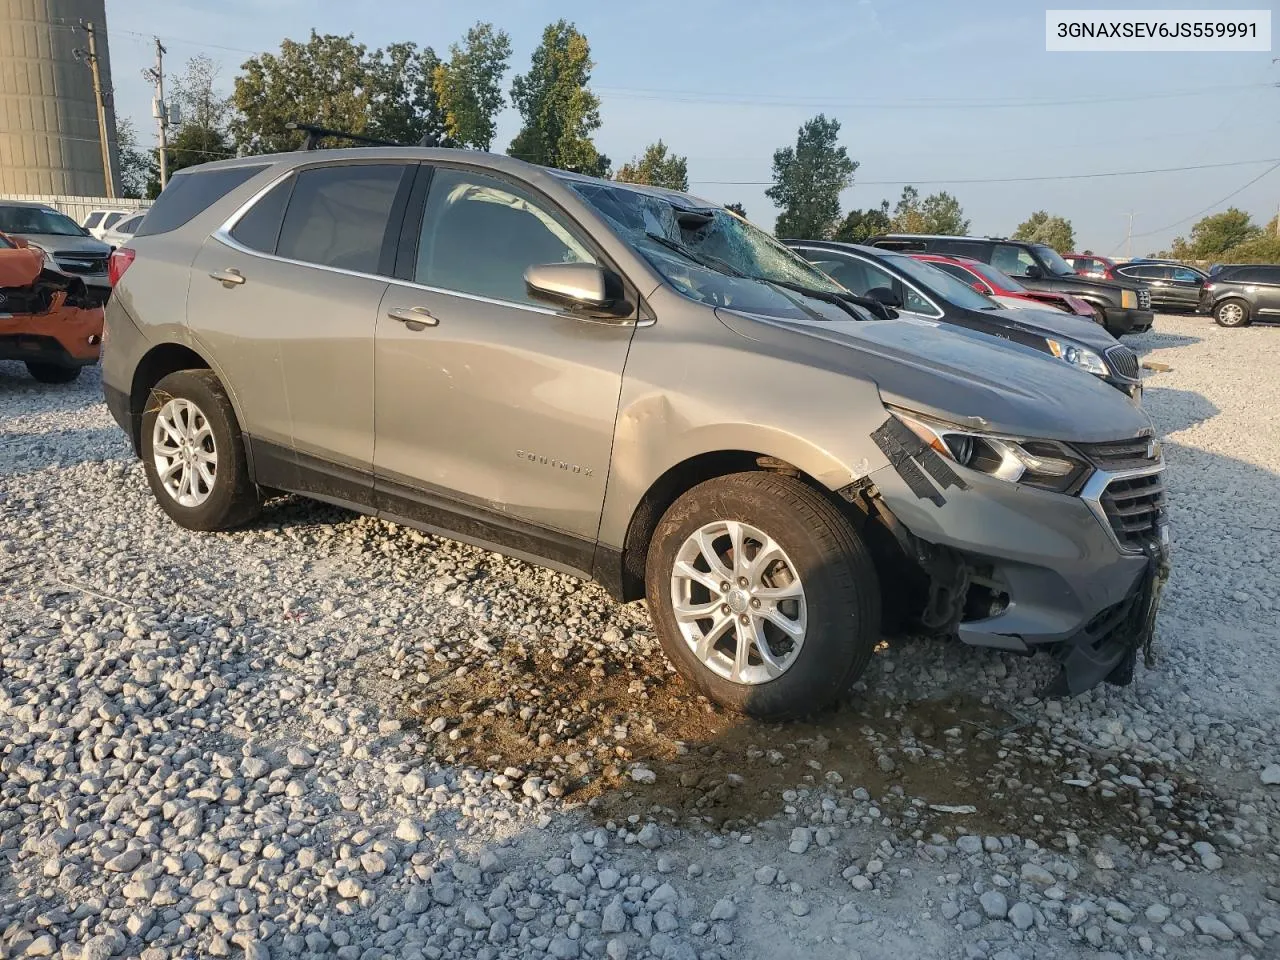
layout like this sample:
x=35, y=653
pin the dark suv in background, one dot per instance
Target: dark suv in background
x=1124, y=304
x=1172, y=285
x=1236, y=295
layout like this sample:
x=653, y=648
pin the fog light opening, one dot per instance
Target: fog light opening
x=984, y=600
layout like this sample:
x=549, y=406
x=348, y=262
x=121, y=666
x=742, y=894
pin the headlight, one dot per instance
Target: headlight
x=1045, y=464
x=1081, y=357
x=1129, y=299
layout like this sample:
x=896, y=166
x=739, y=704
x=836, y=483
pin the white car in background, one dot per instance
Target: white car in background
x=99, y=222
x=123, y=231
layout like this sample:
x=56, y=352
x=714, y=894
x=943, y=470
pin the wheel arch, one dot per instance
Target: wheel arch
x=156, y=364
x=622, y=572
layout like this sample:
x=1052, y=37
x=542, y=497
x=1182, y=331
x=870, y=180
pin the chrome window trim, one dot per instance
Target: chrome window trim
x=223, y=236
x=871, y=263
x=1097, y=485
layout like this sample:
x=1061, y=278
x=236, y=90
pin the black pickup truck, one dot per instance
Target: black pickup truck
x=1125, y=304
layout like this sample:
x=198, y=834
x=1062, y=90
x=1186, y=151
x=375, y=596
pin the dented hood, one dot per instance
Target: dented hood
x=19, y=267
x=957, y=375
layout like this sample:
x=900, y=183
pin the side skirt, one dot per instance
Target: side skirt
x=424, y=508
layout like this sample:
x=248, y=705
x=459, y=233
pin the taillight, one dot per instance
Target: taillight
x=121, y=260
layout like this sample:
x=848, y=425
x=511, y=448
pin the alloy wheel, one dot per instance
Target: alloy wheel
x=1230, y=314
x=739, y=602
x=184, y=452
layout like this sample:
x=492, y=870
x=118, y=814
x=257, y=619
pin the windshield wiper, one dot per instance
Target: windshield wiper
x=702, y=259
x=845, y=301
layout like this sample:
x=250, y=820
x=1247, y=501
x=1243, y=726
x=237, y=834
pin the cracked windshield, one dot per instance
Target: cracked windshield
x=710, y=255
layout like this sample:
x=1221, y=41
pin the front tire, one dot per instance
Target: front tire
x=52, y=372
x=1232, y=313
x=763, y=595
x=194, y=454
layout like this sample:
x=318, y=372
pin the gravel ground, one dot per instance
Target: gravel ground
x=326, y=735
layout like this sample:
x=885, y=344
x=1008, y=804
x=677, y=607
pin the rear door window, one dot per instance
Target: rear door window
x=974, y=249
x=1013, y=260
x=93, y=221
x=1256, y=275
x=341, y=216
x=111, y=219
x=480, y=234
x=190, y=194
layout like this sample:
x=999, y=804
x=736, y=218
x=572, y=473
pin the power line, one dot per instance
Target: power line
x=916, y=103
x=1216, y=203
x=1035, y=179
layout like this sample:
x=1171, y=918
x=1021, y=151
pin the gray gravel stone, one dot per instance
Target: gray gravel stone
x=994, y=904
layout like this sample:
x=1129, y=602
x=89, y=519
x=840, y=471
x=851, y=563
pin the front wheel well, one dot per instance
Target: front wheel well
x=669, y=487
x=156, y=364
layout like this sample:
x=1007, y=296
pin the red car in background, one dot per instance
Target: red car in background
x=995, y=283
x=1091, y=265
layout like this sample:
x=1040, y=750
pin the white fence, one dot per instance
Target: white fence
x=77, y=208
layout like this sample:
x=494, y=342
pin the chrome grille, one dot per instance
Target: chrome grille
x=1123, y=362
x=1115, y=455
x=1135, y=509
x=75, y=262
x=1144, y=299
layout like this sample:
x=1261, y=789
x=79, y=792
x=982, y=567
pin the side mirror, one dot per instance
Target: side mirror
x=884, y=295
x=1033, y=272
x=981, y=287
x=581, y=288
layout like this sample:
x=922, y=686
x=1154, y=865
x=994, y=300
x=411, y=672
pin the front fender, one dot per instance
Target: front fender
x=683, y=397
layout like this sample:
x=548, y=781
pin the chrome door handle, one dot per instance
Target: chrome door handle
x=231, y=277
x=415, y=318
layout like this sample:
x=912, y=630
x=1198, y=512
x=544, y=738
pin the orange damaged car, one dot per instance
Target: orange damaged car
x=48, y=320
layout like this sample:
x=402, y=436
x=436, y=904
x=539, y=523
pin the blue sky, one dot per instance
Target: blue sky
x=918, y=86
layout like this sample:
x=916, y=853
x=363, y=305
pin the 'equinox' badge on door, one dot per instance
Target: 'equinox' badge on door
x=564, y=465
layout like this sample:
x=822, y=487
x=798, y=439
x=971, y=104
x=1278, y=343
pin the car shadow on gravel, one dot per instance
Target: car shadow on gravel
x=18, y=385
x=1175, y=410
x=24, y=453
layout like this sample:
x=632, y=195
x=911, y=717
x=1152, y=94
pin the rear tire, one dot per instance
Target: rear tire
x=1232, y=312
x=806, y=550
x=205, y=483
x=52, y=372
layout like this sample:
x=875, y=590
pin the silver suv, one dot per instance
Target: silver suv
x=639, y=387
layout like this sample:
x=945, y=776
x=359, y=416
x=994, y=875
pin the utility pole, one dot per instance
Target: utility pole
x=1128, y=237
x=92, y=57
x=160, y=110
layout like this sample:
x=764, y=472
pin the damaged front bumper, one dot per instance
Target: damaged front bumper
x=1025, y=570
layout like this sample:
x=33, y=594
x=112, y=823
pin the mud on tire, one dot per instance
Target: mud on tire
x=231, y=499
x=841, y=593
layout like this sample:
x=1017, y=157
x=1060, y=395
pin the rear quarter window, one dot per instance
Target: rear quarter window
x=1255, y=275
x=189, y=194
x=93, y=221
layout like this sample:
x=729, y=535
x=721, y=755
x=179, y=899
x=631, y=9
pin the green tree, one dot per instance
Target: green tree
x=199, y=116
x=1040, y=227
x=907, y=215
x=558, y=109
x=137, y=167
x=737, y=208
x=469, y=87
x=337, y=83
x=1264, y=248
x=657, y=168
x=937, y=213
x=943, y=214
x=808, y=179
x=1214, y=235
x=860, y=225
